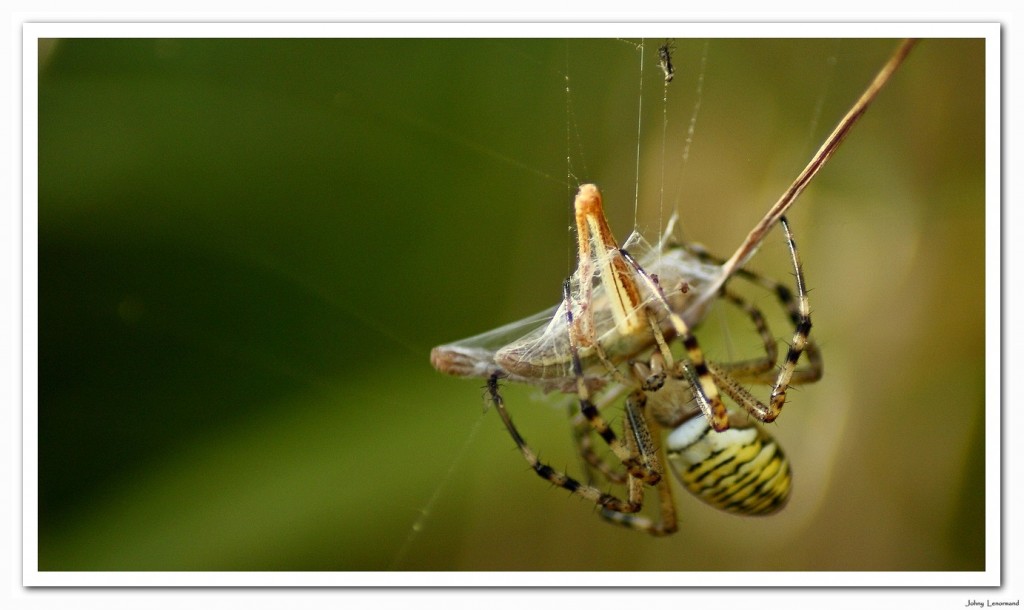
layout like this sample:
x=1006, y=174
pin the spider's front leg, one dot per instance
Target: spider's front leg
x=729, y=376
x=801, y=334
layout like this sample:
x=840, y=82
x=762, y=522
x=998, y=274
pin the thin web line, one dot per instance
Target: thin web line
x=664, y=139
x=826, y=84
x=426, y=512
x=639, y=122
x=692, y=126
x=568, y=160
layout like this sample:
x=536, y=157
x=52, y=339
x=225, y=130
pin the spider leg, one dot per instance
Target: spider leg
x=800, y=313
x=556, y=477
x=796, y=307
x=802, y=322
x=649, y=377
x=667, y=523
x=581, y=429
x=730, y=375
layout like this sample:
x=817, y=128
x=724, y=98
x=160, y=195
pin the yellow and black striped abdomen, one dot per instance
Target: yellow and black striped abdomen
x=740, y=470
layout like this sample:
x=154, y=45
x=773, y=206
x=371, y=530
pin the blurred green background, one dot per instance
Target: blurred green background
x=247, y=249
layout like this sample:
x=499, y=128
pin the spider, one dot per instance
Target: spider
x=612, y=335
